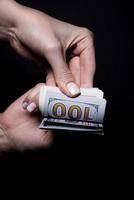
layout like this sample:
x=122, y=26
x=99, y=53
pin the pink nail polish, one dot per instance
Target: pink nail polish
x=31, y=107
x=24, y=105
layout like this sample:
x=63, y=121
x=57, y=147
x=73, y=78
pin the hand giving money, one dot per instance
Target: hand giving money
x=82, y=113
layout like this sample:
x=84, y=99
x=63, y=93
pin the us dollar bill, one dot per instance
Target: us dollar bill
x=60, y=124
x=82, y=113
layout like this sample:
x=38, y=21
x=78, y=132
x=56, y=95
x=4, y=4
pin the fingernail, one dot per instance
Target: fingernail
x=73, y=88
x=24, y=105
x=31, y=107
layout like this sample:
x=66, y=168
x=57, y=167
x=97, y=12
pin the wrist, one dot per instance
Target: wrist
x=9, y=14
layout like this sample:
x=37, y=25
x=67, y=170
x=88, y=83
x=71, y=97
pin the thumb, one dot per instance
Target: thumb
x=62, y=73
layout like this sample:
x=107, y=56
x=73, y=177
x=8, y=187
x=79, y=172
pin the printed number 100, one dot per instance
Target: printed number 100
x=73, y=112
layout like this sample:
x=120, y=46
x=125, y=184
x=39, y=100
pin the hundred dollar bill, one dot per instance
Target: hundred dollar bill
x=61, y=124
x=83, y=113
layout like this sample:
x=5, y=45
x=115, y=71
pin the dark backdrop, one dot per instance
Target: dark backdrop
x=110, y=23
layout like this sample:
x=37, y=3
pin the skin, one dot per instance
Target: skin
x=22, y=132
x=69, y=50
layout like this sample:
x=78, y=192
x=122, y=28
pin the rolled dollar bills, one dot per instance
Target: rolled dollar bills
x=82, y=113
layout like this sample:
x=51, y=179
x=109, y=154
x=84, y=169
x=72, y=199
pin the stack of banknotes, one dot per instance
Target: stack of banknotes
x=82, y=113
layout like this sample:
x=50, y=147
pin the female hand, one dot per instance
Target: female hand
x=21, y=129
x=69, y=49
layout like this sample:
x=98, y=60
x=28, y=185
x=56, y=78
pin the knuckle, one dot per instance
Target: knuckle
x=91, y=34
x=88, y=33
x=28, y=98
x=38, y=85
x=64, y=76
x=85, y=67
x=53, y=47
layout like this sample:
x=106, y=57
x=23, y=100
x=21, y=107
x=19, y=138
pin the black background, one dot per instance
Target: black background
x=112, y=28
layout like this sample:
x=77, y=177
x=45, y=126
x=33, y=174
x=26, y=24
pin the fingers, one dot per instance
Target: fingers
x=63, y=76
x=31, y=101
x=74, y=66
x=88, y=65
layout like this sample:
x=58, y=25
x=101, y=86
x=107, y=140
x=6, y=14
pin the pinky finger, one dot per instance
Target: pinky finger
x=31, y=101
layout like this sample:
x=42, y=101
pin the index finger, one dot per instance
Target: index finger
x=88, y=65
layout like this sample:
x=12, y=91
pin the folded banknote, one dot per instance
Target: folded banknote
x=82, y=113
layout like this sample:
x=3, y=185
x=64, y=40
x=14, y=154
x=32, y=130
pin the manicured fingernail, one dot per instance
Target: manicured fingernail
x=73, y=88
x=31, y=107
x=24, y=105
